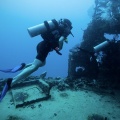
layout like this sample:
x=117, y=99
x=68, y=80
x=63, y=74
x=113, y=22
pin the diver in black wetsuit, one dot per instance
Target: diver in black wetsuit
x=52, y=40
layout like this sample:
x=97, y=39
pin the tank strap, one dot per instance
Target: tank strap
x=47, y=26
x=55, y=23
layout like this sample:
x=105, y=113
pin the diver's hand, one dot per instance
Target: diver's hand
x=66, y=40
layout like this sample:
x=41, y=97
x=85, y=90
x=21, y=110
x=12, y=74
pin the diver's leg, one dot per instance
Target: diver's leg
x=27, y=71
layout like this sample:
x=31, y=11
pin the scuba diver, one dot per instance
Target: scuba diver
x=54, y=34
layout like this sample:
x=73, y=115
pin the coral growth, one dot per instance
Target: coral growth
x=20, y=96
x=11, y=117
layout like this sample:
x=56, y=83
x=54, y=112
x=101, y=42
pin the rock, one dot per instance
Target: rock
x=43, y=75
x=62, y=86
x=44, y=86
x=39, y=105
x=55, y=114
x=96, y=117
x=58, y=78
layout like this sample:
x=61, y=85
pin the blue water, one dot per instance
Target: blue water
x=16, y=46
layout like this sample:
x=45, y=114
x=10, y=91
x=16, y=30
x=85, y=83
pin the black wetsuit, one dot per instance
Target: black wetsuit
x=50, y=42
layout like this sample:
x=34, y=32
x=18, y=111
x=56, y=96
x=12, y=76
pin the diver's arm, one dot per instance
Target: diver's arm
x=61, y=42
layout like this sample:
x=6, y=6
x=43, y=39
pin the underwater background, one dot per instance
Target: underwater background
x=16, y=45
x=91, y=91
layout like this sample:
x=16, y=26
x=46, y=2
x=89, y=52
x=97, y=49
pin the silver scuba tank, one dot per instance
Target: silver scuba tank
x=42, y=28
x=101, y=46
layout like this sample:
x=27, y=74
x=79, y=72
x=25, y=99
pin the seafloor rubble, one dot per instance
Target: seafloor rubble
x=102, y=67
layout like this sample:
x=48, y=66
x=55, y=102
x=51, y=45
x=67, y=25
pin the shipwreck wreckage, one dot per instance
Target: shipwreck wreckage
x=102, y=65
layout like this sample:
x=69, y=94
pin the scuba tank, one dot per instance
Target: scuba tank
x=51, y=30
x=42, y=28
x=101, y=46
x=49, y=26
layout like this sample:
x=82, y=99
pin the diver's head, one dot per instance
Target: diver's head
x=66, y=23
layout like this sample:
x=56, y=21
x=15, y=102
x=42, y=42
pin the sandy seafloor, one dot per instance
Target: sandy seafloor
x=76, y=106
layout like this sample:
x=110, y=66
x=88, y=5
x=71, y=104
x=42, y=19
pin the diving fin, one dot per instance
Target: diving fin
x=18, y=68
x=6, y=88
x=15, y=69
